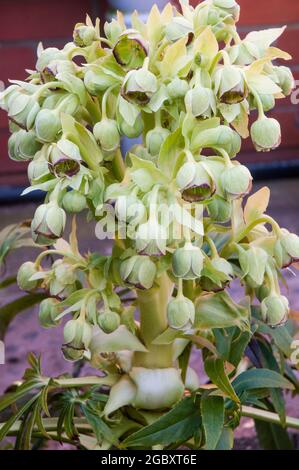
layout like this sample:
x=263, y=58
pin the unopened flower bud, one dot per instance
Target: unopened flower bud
x=253, y=262
x=286, y=250
x=74, y=202
x=38, y=170
x=220, y=209
x=77, y=336
x=107, y=135
x=151, y=238
x=230, y=7
x=113, y=30
x=139, y=86
x=201, y=101
x=25, y=272
x=180, y=313
x=236, y=181
x=108, y=321
x=84, y=35
x=130, y=209
x=194, y=182
x=22, y=145
x=275, y=309
x=230, y=85
x=177, y=88
x=155, y=138
x=47, y=125
x=64, y=158
x=138, y=271
x=219, y=137
x=23, y=109
x=268, y=102
x=285, y=79
x=48, y=311
x=131, y=49
x=187, y=262
x=48, y=55
x=131, y=131
x=48, y=223
x=265, y=134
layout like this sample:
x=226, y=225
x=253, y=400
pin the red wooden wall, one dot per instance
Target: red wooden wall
x=25, y=22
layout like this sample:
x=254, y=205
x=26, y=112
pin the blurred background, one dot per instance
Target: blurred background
x=26, y=22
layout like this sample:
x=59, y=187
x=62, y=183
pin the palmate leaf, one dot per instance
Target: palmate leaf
x=9, y=311
x=212, y=412
x=4, y=430
x=177, y=426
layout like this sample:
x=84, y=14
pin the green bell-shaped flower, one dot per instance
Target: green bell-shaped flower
x=187, y=262
x=236, y=181
x=107, y=134
x=155, y=139
x=131, y=131
x=253, y=263
x=48, y=223
x=285, y=79
x=74, y=202
x=139, y=86
x=77, y=336
x=130, y=209
x=108, y=321
x=22, y=145
x=47, y=56
x=267, y=101
x=151, y=238
x=47, y=125
x=23, y=109
x=64, y=158
x=25, y=272
x=194, y=182
x=201, y=102
x=96, y=80
x=275, y=310
x=286, y=249
x=230, y=85
x=131, y=49
x=49, y=310
x=222, y=137
x=219, y=209
x=180, y=313
x=177, y=88
x=265, y=134
x=216, y=274
x=138, y=271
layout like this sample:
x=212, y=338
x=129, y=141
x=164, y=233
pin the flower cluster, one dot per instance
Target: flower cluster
x=186, y=83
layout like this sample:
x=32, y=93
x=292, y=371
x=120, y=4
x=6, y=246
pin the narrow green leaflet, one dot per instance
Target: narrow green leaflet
x=212, y=412
x=177, y=425
x=260, y=378
x=214, y=368
x=100, y=428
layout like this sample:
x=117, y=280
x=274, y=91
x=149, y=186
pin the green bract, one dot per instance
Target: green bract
x=182, y=230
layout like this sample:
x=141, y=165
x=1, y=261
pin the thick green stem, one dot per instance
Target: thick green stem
x=268, y=416
x=153, y=321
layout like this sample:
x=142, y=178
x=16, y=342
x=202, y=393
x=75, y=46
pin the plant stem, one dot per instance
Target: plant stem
x=109, y=380
x=153, y=307
x=268, y=416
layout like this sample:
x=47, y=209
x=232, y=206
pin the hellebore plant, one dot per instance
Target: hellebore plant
x=186, y=83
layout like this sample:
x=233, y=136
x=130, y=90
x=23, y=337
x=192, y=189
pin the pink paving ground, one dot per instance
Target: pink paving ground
x=26, y=335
